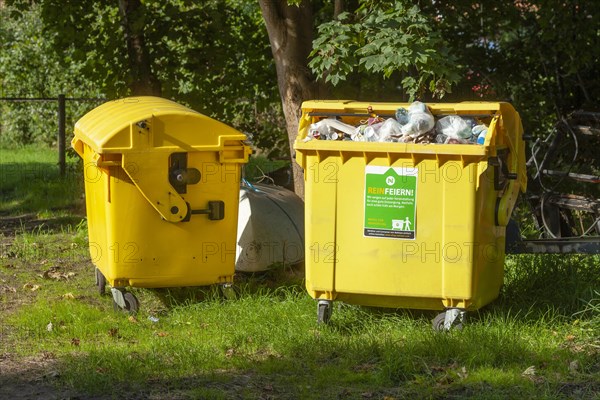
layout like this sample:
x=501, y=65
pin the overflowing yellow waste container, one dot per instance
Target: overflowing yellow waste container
x=408, y=225
x=162, y=190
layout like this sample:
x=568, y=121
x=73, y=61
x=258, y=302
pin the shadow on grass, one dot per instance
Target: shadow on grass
x=537, y=284
x=36, y=187
x=317, y=366
x=10, y=226
x=278, y=279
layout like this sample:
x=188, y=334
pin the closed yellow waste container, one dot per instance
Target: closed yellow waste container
x=162, y=190
x=404, y=224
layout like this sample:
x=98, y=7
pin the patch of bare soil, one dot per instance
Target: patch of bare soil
x=29, y=378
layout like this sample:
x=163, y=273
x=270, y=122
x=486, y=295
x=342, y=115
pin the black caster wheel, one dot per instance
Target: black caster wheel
x=324, y=311
x=132, y=305
x=125, y=301
x=456, y=320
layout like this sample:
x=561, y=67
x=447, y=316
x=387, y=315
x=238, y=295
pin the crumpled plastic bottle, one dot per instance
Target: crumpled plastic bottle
x=480, y=131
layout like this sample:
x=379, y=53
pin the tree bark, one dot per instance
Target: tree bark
x=338, y=8
x=290, y=30
x=143, y=81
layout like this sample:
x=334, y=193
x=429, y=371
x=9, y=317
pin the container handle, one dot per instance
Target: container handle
x=215, y=211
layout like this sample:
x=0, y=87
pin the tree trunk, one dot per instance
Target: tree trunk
x=290, y=30
x=142, y=80
x=338, y=8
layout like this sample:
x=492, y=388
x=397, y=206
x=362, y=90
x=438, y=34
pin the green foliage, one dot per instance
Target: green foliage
x=213, y=56
x=539, y=55
x=385, y=38
x=30, y=68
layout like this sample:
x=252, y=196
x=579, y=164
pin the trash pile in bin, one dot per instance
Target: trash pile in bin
x=415, y=125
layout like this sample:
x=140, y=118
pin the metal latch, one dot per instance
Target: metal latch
x=215, y=211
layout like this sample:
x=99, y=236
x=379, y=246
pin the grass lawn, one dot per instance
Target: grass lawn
x=30, y=183
x=59, y=338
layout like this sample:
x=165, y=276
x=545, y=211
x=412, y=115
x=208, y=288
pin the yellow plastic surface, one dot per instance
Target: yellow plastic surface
x=137, y=237
x=457, y=255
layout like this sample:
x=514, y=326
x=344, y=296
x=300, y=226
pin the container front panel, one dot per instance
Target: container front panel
x=436, y=265
x=141, y=249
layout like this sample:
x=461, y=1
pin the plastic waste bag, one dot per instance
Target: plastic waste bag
x=453, y=126
x=327, y=129
x=420, y=120
x=402, y=116
x=371, y=132
x=390, y=130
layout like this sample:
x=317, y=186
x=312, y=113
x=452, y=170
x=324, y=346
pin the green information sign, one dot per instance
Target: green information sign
x=390, y=202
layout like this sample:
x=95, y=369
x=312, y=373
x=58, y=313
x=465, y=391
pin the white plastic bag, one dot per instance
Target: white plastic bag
x=420, y=120
x=453, y=126
x=389, y=128
x=326, y=129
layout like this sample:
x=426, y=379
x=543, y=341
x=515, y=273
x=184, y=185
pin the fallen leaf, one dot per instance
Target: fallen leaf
x=162, y=334
x=52, y=374
x=570, y=338
x=462, y=374
x=573, y=366
x=229, y=353
x=48, y=355
x=367, y=395
x=75, y=342
x=31, y=287
x=51, y=273
x=68, y=296
x=49, y=327
x=529, y=371
x=132, y=319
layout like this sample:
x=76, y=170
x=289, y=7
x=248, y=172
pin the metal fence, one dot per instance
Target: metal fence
x=61, y=101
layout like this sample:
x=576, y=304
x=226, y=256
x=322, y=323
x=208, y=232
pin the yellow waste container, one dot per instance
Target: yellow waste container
x=408, y=225
x=162, y=191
